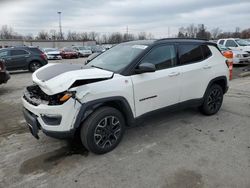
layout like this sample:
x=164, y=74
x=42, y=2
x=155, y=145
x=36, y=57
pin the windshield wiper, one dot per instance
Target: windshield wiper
x=96, y=67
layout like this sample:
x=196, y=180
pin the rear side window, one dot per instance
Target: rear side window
x=18, y=52
x=162, y=57
x=221, y=42
x=35, y=50
x=206, y=51
x=190, y=53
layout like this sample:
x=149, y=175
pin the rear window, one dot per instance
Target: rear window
x=190, y=53
x=35, y=50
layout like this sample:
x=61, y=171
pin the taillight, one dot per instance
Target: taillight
x=1, y=65
x=43, y=56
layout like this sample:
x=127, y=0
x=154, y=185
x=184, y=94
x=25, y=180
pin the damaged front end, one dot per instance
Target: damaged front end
x=35, y=96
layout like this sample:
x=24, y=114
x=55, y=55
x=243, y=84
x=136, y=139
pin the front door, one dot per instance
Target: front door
x=161, y=88
x=17, y=59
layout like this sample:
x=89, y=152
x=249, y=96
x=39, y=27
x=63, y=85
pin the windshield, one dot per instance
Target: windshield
x=118, y=57
x=242, y=42
x=50, y=50
x=221, y=47
x=82, y=48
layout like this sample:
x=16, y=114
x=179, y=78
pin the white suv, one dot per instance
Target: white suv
x=98, y=100
x=235, y=44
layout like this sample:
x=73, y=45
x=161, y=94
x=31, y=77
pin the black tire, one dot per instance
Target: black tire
x=34, y=65
x=213, y=100
x=103, y=130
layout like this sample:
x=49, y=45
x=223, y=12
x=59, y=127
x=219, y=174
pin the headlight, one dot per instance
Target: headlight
x=67, y=95
x=239, y=55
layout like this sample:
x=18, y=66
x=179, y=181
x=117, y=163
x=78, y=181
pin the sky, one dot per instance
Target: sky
x=162, y=18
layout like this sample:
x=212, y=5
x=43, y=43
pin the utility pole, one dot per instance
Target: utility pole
x=60, y=25
x=127, y=30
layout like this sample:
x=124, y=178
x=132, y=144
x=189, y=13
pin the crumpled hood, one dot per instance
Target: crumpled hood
x=56, y=78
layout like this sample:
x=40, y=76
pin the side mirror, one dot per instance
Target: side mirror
x=145, y=67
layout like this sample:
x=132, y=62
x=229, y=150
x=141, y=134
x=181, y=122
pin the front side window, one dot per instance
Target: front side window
x=230, y=43
x=18, y=52
x=190, y=53
x=162, y=57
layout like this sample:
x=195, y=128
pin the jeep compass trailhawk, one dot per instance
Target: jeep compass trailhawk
x=98, y=100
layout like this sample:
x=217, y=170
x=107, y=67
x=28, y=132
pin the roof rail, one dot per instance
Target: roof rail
x=183, y=38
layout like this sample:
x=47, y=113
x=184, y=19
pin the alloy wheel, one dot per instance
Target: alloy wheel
x=107, y=132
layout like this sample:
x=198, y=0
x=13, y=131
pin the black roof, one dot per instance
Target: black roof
x=164, y=40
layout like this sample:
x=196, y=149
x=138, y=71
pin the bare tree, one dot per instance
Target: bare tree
x=202, y=32
x=215, y=32
x=6, y=32
x=29, y=37
x=142, y=36
x=236, y=34
x=191, y=31
x=43, y=35
x=245, y=34
x=92, y=35
x=73, y=36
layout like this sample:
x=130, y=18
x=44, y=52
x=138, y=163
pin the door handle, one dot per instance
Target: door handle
x=174, y=74
x=207, y=67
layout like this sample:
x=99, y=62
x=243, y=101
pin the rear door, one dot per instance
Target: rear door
x=196, y=71
x=161, y=88
x=18, y=58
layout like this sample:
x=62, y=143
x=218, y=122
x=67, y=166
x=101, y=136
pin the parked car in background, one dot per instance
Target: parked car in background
x=68, y=53
x=91, y=57
x=52, y=53
x=97, y=49
x=239, y=57
x=235, y=44
x=4, y=74
x=83, y=51
x=23, y=58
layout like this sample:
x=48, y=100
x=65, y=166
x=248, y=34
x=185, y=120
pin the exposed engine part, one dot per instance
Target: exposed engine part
x=34, y=95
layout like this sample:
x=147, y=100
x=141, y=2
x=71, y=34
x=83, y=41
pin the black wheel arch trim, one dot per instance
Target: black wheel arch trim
x=219, y=78
x=89, y=107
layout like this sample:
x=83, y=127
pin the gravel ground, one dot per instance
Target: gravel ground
x=174, y=150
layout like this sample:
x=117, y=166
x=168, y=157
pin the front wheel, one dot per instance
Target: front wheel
x=34, y=66
x=213, y=100
x=103, y=130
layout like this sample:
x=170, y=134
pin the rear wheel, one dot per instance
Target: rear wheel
x=103, y=130
x=34, y=66
x=213, y=100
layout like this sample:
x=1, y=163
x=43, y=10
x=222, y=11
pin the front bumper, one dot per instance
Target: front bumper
x=4, y=77
x=54, y=57
x=63, y=127
x=242, y=60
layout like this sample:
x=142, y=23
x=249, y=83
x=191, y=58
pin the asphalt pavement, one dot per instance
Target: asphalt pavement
x=170, y=150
